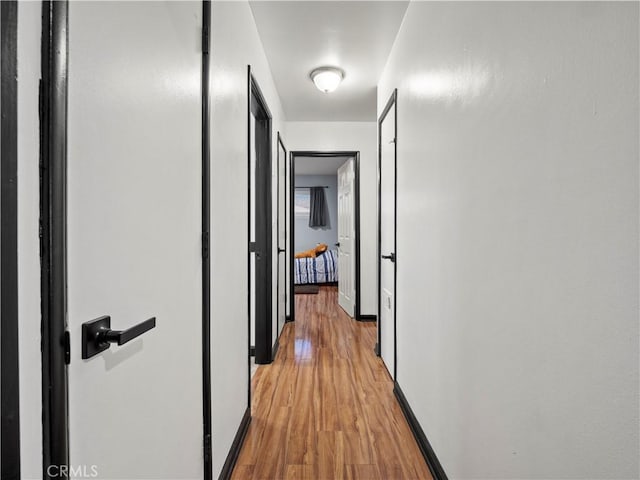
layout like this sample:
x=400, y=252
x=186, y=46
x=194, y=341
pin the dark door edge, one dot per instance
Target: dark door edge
x=9, y=361
x=53, y=240
x=292, y=227
x=206, y=225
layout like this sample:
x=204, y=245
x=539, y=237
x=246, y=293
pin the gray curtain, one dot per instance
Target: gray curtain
x=319, y=215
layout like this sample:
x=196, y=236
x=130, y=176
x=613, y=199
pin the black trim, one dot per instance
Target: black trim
x=288, y=304
x=250, y=348
x=236, y=446
x=368, y=318
x=358, y=264
x=291, y=221
x=53, y=239
x=320, y=154
x=392, y=102
x=428, y=453
x=9, y=362
x=206, y=225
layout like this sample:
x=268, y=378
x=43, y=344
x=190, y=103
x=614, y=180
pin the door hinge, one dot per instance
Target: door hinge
x=205, y=245
x=205, y=39
x=207, y=448
x=67, y=347
x=252, y=247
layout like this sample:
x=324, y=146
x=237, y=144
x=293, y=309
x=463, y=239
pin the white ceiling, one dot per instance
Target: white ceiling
x=356, y=36
x=319, y=165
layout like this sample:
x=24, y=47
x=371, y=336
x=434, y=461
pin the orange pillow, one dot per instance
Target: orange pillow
x=321, y=248
x=313, y=252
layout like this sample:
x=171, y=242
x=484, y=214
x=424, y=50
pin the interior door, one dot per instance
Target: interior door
x=252, y=231
x=346, y=237
x=261, y=224
x=134, y=239
x=387, y=236
x=282, y=235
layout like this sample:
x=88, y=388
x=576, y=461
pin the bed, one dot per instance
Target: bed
x=321, y=269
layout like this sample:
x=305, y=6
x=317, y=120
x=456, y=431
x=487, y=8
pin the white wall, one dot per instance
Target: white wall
x=308, y=237
x=356, y=136
x=29, y=27
x=518, y=235
x=235, y=44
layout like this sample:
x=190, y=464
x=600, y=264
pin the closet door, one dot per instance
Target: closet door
x=134, y=240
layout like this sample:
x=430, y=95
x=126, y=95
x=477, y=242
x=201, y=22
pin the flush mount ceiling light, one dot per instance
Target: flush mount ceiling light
x=327, y=79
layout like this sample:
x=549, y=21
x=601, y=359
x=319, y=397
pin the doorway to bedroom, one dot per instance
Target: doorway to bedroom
x=324, y=230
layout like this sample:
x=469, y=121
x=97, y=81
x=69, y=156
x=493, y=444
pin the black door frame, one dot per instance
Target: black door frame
x=9, y=362
x=263, y=246
x=391, y=103
x=292, y=175
x=206, y=225
x=53, y=240
x=280, y=248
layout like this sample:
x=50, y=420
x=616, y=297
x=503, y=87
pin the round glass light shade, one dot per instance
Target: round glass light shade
x=327, y=79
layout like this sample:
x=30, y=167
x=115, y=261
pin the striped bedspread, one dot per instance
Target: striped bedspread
x=322, y=269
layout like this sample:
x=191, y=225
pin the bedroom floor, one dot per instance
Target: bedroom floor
x=325, y=408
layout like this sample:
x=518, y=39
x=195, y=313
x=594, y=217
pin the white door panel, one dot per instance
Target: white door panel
x=281, y=235
x=387, y=242
x=346, y=237
x=134, y=221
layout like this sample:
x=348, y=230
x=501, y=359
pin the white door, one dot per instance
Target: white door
x=387, y=241
x=134, y=242
x=281, y=297
x=346, y=237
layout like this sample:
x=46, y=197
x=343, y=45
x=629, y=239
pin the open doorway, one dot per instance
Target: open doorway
x=324, y=228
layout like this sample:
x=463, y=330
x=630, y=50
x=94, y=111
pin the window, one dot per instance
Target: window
x=302, y=202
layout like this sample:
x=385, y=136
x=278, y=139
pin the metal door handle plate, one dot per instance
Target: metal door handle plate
x=97, y=335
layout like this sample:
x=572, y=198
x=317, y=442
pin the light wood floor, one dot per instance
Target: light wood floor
x=325, y=408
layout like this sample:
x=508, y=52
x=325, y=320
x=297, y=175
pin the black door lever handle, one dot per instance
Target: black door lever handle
x=281, y=250
x=97, y=335
x=123, y=336
x=391, y=256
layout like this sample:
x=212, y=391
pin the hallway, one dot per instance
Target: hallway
x=473, y=169
x=325, y=408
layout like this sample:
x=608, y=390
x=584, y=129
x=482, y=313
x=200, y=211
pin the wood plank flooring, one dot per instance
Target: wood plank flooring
x=325, y=408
